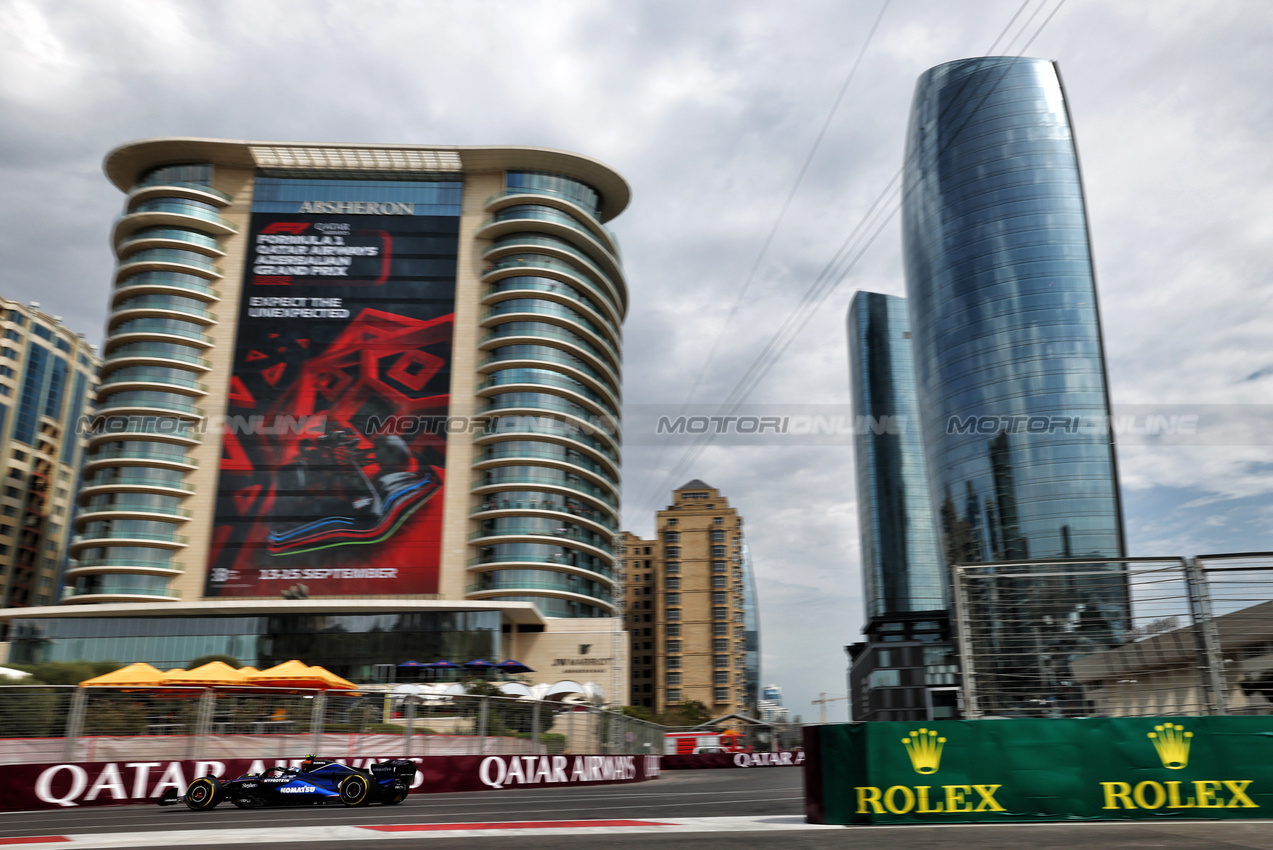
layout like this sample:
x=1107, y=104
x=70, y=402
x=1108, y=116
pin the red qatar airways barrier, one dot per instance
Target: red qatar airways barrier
x=25, y=787
x=716, y=761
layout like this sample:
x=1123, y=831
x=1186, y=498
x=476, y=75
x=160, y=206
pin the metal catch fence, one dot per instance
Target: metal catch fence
x=45, y=723
x=1128, y=638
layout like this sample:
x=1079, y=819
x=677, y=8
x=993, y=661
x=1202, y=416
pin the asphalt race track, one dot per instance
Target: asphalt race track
x=688, y=810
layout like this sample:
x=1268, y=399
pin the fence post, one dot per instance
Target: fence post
x=534, y=727
x=318, y=714
x=74, y=723
x=409, y=728
x=483, y=706
x=202, y=723
x=1212, y=672
x=963, y=633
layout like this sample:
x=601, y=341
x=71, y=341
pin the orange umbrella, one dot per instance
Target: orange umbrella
x=297, y=674
x=137, y=675
x=212, y=674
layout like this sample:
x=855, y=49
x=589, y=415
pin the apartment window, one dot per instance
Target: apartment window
x=8, y=352
x=672, y=630
x=15, y=473
x=719, y=581
x=720, y=628
x=719, y=566
x=672, y=552
x=672, y=521
x=4, y=550
x=17, y=318
x=720, y=660
x=720, y=677
x=673, y=566
x=718, y=520
x=720, y=645
x=6, y=530
x=10, y=510
x=647, y=631
x=18, y=454
x=718, y=536
x=13, y=335
x=673, y=678
x=717, y=614
x=6, y=390
x=674, y=662
x=647, y=550
x=718, y=551
x=672, y=582
x=674, y=614
x=7, y=371
x=673, y=598
x=673, y=694
x=674, y=646
x=671, y=537
x=722, y=694
x=719, y=597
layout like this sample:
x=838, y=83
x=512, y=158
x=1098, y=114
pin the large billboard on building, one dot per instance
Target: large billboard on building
x=345, y=322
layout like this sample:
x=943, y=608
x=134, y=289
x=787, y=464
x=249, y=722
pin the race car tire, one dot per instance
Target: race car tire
x=394, y=797
x=355, y=790
x=203, y=794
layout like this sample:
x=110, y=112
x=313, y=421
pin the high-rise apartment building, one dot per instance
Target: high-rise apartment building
x=48, y=375
x=905, y=669
x=1009, y=361
x=344, y=378
x=687, y=599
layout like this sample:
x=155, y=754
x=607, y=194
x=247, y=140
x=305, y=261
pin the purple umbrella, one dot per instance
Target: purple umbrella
x=511, y=666
x=479, y=664
x=412, y=664
x=443, y=665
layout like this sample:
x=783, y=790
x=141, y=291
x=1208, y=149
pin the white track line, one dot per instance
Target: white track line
x=230, y=837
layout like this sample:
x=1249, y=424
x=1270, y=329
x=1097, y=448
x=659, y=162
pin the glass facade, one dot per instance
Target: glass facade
x=1008, y=353
x=348, y=645
x=901, y=563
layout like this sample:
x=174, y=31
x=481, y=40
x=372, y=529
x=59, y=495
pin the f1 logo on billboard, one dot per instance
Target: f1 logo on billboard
x=293, y=227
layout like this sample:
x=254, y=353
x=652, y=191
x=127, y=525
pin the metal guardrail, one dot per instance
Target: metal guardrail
x=1136, y=637
x=40, y=723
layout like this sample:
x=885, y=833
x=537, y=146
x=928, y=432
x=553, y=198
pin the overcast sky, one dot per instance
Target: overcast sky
x=710, y=109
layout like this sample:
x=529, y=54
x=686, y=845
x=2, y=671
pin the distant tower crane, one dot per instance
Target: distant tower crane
x=821, y=703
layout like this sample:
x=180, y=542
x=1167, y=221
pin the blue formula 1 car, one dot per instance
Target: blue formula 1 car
x=317, y=781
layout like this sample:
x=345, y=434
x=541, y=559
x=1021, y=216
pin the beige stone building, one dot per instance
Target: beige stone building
x=48, y=376
x=688, y=596
x=381, y=379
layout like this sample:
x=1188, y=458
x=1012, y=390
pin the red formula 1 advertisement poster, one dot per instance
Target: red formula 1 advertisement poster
x=344, y=332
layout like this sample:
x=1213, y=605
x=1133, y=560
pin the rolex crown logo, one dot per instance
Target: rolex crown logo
x=924, y=748
x=1172, y=744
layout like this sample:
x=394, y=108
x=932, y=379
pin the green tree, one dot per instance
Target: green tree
x=689, y=713
x=208, y=659
x=640, y=712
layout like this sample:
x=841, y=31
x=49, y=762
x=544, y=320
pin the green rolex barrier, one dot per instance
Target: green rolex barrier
x=989, y=771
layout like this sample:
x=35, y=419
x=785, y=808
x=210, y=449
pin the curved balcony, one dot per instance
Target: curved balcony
x=510, y=477
x=601, y=569
x=166, y=282
x=181, y=189
x=535, y=262
x=167, y=259
x=534, y=503
x=518, y=332
x=179, y=212
x=595, y=420
x=595, y=453
x=529, y=286
x=156, y=353
x=521, y=243
x=503, y=452
x=523, y=218
x=530, y=354
x=126, y=593
x=140, y=377
x=147, y=401
x=134, y=483
x=593, y=549
x=170, y=237
x=172, y=541
x=514, y=195
x=560, y=429
x=130, y=510
x=179, y=463
x=526, y=380
x=534, y=309
x=173, y=429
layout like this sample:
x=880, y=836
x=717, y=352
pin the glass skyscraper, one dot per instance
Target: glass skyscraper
x=1013, y=396
x=901, y=564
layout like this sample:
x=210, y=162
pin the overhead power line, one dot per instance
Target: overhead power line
x=842, y=263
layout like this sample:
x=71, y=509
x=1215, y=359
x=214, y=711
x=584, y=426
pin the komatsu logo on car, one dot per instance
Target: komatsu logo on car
x=300, y=789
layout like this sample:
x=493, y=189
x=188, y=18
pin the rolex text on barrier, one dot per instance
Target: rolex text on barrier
x=1010, y=770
